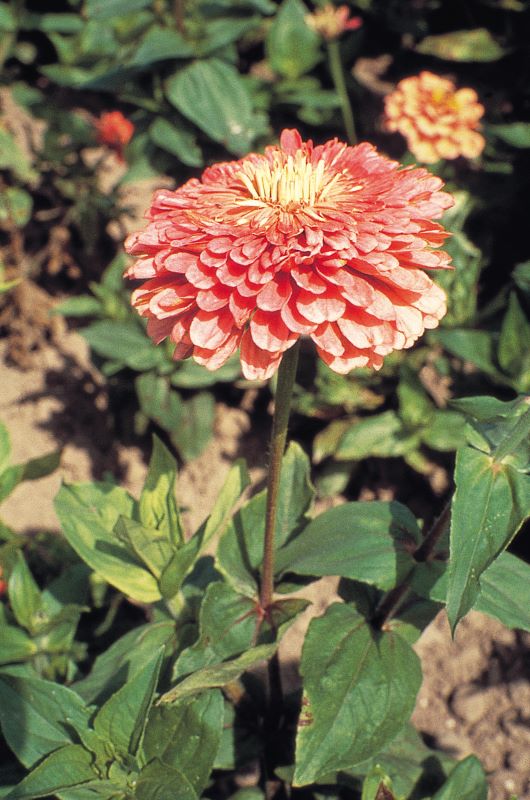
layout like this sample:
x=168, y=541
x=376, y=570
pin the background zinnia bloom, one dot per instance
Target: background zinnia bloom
x=331, y=21
x=114, y=130
x=437, y=119
x=328, y=241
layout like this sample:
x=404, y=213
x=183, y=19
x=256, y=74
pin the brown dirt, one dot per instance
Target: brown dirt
x=476, y=691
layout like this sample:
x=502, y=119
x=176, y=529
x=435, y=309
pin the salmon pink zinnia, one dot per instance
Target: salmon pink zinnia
x=328, y=241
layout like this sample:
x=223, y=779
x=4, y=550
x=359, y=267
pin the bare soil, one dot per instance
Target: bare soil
x=476, y=692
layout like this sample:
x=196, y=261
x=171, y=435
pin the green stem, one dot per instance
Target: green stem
x=518, y=433
x=337, y=74
x=282, y=406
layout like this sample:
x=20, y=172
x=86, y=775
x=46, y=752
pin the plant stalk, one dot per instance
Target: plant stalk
x=282, y=407
x=337, y=74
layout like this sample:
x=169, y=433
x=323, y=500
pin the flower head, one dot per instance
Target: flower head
x=437, y=119
x=115, y=131
x=331, y=21
x=328, y=241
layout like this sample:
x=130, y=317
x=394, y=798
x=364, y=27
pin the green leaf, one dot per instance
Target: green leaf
x=240, y=550
x=513, y=358
x=9, y=480
x=473, y=45
x=14, y=159
x=521, y=276
x=359, y=689
x=8, y=21
x=381, y=435
x=186, y=736
x=473, y=346
x=5, y=447
x=122, y=719
x=296, y=495
x=445, y=432
x=516, y=134
x=195, y=429
x=105, y=9
x=292, y=47
x=82, y=306
x=369, y=542
x=124, y=342
x=157, y=781
x=218, y=675
x=158, y=507
x=69, y=766
x=227, y=627
x=15, y=645
x=177, y=141
x=490, y=504
x=236, y=482
x=24, y=594
x=505, y=592
x=15, y=206
x=38, y=716
x=160, y=44
x=123, y=660
x=88, y=514
x=223, y=31
x=212, y=95
x=466, y=782
x=40, y=467
x=149, y=545
x=377, y=785
x=415, y=408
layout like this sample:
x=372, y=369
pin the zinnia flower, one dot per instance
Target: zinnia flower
x=115, y=131
x=331, y=21
x=329, y=242
x=437, y=120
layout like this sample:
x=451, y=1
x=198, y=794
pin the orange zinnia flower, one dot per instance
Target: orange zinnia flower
x=328, y=241
x=115, y=131
x=331, y=21
x=437, y=120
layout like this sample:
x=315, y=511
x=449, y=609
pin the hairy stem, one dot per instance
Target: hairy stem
x=337, y=74
x=282, y=406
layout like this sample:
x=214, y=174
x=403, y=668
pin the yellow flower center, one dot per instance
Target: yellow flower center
x=287, y=183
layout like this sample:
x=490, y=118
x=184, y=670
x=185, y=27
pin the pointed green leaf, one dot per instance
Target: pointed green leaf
x=292, y=47
x=88, y=514
x=149, y=545
x=24, y=594
x=369, y=542
x=123, y=660
x=182, y=561
x=467, y=781
x=212, y=95
x=240, y=550
x=158, y=507
x=186, y=735
x=178, y=141
x=66, y=767
x=359, y=689
x=218, y=675
x=383, y=435
x=514, y=358
x=469, y=45
x=15, y=645
x=38, y=716
x=122, y=719
x=228, y=623
x=157, y=781
x=490, y=504
x=505, y=592
x=296, y=495
x=40, y=467
x=516, y=134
